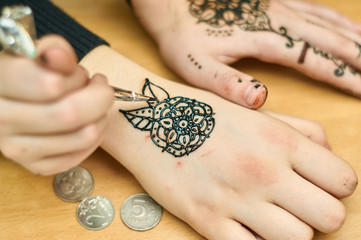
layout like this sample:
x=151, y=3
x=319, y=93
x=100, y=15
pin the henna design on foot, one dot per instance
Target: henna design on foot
x=178, y=125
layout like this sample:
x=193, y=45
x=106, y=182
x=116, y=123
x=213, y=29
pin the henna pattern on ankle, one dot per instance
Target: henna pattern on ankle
x=178, y=125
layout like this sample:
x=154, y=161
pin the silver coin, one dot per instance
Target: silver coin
x=95, y=212
x=73, y=185
x=140, y=212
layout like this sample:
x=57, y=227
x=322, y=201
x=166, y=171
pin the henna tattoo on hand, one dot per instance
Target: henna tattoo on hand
x=178, y=125
x=341, y=67
x=301, y=59
x=221, y=33
x=191, y=58
x=251, y=15
x=248, y=15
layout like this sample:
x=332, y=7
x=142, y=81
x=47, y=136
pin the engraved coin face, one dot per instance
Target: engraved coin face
x=74, y=185
x=95, y=212
x=140, y=212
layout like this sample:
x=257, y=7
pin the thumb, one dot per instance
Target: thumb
x=56, y=54
x=231, y=84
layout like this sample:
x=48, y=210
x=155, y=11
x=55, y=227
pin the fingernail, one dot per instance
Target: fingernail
x=256, y=94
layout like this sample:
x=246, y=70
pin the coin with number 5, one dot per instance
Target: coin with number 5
x=140, y=212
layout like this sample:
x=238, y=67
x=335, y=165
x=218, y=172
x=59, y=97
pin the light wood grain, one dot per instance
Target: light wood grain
x=29, y=209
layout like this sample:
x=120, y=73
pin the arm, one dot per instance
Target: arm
x=249, y=169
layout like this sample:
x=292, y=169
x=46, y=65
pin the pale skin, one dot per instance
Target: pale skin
x=184, y=39
x=248, y=173
x=52, y=114
x=259, y=172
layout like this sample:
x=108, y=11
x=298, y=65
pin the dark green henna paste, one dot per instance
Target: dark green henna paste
x=178, y=125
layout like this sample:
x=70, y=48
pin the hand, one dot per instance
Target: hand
x=52, y=116
x=251, y=171
x=199, y=39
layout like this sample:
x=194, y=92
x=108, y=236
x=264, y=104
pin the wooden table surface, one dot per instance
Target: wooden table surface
x=29, y=208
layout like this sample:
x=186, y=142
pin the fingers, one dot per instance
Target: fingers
x=311, y=53
x=31, y=148
x=56, y=164
x=352, y=35
x=46, y=80
x=36, y=84
x=313, y=130
x=231, y=84
x=270, y=220
x=316, y=35
x=225, y=229
x=229, y=229
x=56, y=54
x=78, y=109
x=339, y=179
x=309, y=203
x=313, y=62
x=323, y=12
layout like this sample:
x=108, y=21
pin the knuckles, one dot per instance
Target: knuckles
x=67, y=114
x=90, y=135
x=13, y=151
x=225, y=82
x=51, y=86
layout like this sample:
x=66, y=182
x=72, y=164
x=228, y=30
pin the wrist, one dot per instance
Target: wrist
x=130, y=146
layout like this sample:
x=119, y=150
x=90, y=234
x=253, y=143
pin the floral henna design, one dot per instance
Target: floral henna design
x=248, y=15
x=178, y=125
